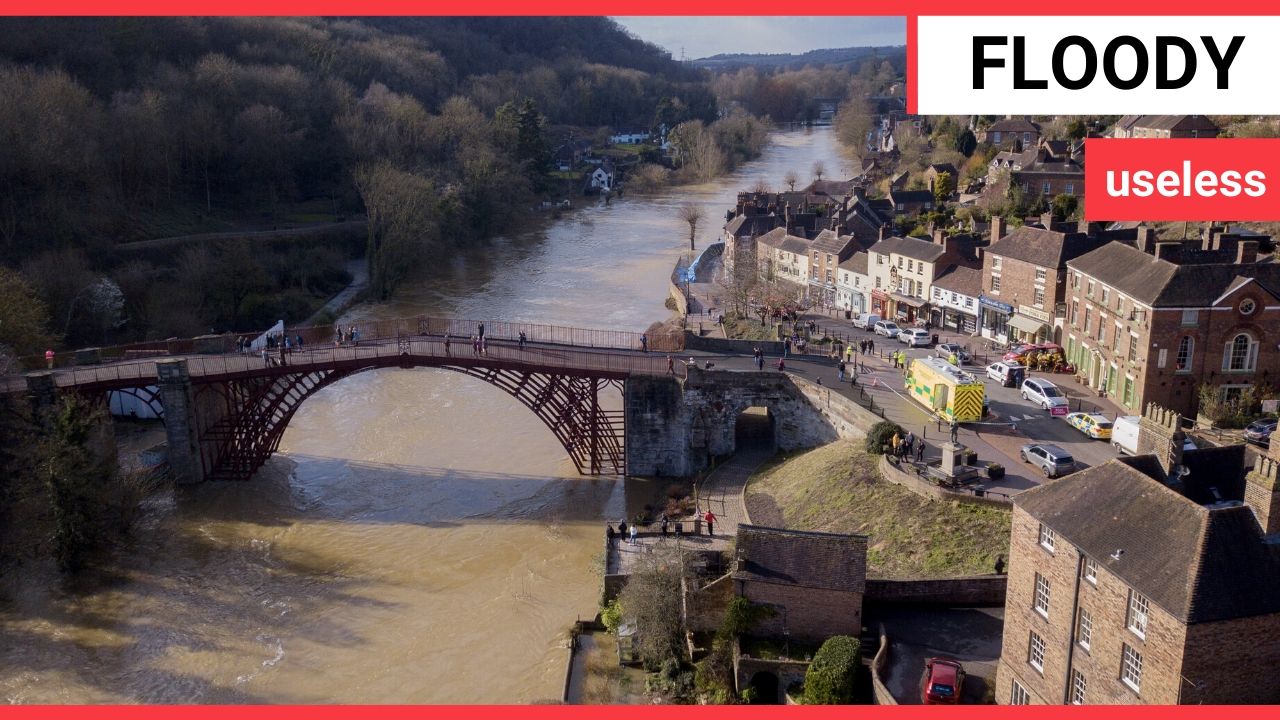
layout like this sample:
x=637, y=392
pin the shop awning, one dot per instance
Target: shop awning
x=1026, y=324
x=908, y=300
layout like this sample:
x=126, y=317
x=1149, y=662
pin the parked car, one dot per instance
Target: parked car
x=1021, y=353
x=943, y=682
x=914, y=337
x=866, y=321
x=1046, y=395
x=887, y=328
x=1004, y=372
x=1094, y=425
x=946, y=350
x=1124, y=436
x=1259, y=431
x=1052, y=460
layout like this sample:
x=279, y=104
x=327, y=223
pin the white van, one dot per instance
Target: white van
x=866, y=321
x=1124, y=436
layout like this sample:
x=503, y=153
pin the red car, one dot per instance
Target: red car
x=942, y=683
x=1021, y=353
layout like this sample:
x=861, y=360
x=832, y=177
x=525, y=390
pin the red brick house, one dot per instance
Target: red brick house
x=813, y=581
x=1153, y=321
x=1014, y=134
x=1165, y=126
x=1127, y=588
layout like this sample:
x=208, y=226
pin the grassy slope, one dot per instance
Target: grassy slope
x=910, y=536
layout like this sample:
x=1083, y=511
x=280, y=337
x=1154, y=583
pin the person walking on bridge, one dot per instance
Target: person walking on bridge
x=644, y=342
x=523, y=339
x=710, y=517
x=841, y=367
x=446, y=343
x=671, y=365
x=480, y=331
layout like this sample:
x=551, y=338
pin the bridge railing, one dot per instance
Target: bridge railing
x=369, y=331
x=498, y=351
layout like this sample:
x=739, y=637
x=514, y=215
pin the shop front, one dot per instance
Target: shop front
x=880, y=303
x=958, y=320
x=1026, y=327
x=907, y=309
x=995, y=318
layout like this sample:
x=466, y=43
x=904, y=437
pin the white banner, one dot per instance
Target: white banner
x=1090, y=65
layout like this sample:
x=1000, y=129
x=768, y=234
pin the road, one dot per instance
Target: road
x=970, y=635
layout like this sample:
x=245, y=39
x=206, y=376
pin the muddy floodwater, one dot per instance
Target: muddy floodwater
x=420, y=538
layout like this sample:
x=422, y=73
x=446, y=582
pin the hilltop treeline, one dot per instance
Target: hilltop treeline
x=119, y=129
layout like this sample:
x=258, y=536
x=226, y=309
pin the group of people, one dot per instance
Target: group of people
x=629, y=532
x=349, y=334
x=906, y=448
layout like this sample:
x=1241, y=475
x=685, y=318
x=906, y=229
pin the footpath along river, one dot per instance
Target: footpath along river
x=420, y=538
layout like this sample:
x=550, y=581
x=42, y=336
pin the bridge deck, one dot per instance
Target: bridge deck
x=415, y=351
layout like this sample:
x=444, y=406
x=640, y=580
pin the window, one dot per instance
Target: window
x=1089, y=292
x=1102, y=327
x=1039, y=296
x=1075, y=312
x=1070, y=189
x=1046, y=188
x=911, y=265
x=1091, y=570
x=877, y=281
x=1078, y=687
x=1131, y=667
x=968, y=302
x=1128, y=391
x=879, y=259
x=1190, y=317
x=1035, y=652
x=1084, y=628
x=1247, y=306
x=1075, y=280
x=920, y=269
x=1133, y=348
x=1040, y=274
x=1162, y=358
x=1241, y=354
x=1119, y=304
x=1047, y=537
x=1041, y=600
x=995, y=263
x=1018, y=695
x=1086, y=319
x=995, y=283
x=1137, y=620
x=995, y=137
x=1185, y=348
x=899, y=262
x=1106, y=296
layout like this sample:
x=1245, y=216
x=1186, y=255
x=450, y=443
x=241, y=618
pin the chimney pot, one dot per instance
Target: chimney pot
x=1145, y=238
x=1246, y=252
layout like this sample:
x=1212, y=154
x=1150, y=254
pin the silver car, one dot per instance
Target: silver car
x=1052, y=460
x=946, y=350
x=1045, y=394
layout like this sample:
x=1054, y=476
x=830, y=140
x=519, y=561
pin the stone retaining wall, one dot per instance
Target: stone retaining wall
x=878, y=663
x=919, y=486
x=693, y=341
x=971, y=591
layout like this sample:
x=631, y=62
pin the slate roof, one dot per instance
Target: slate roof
x=857, y=263
x=797, y=245
x=773, y=238
x=1017, y=125
x=917, y=248
x=829, y=242
x=961, y=279
x=1174, y=122
x=1160, y=283
x=825, y=561
x=752, y=225
x=1045, y=248
x=1200, y=564
x=911, y=196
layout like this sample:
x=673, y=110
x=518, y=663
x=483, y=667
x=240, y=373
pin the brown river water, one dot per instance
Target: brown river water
x=420, y=538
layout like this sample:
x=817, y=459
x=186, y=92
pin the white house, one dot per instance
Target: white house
x=954, y=297
x=602, y=180
x=853, y=284
x=630, y=137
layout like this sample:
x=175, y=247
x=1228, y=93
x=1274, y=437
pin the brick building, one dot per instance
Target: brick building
x=1024, y=275
x=1011, y=134
x=826, y=252
x=853, y=284
x=1170, y=595
x=1153, y=321
x=902, y=271
x=814, y=581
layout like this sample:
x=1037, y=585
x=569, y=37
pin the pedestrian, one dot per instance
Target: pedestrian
x=475, y=344
x=760, y=362
x=266, y=357
x=298, y=341
x=910, y=444
x=644, y=342
x=480, y=330
x=840, y=367
x=671, y=365
x=1000, y=564
x=894, y=443
x=622, y=529
x=920, y=451
x=609, y=534
x=522, y=340
x=710, y=517
x=871, y=346
x=48, y=358
x=355, y=335
x=663, y=520
x=446, y=343
x=786, y=347
x=633, y=533
x=782, y=364
x=484, y=346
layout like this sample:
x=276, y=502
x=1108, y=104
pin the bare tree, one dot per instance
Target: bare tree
x=761, y=187
x=693, y=215
x=791, y=178
x=819, y=169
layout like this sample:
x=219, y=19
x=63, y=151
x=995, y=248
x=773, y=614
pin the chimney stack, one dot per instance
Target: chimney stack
x=1167, y=250
x=997, y=228
x=1145, y=237
x=1046, y=219
x=939, y=237
x=1246, y=252
x=881, y=235
x=1262, y=488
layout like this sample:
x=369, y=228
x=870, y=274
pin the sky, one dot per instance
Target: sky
x=706, y=36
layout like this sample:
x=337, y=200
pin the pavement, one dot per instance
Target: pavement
x=970, y=635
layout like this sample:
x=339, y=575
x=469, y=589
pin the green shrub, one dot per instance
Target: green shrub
x=995, y=471
x=611, y=616
x=831, y=677
x=882, y=434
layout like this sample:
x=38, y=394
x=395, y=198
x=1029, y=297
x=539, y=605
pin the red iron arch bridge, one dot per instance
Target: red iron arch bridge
x=225, y=411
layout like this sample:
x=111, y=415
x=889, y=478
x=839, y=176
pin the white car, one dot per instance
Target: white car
x=1045, y=394
x=914, y=337
x=1000, y=371
x=888, y=329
